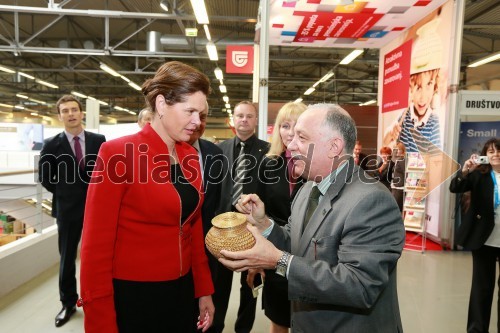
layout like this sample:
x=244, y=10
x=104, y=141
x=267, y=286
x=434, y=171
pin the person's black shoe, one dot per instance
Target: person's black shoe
x=64, y=315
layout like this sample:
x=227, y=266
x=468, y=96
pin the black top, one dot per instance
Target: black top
x=187, y=193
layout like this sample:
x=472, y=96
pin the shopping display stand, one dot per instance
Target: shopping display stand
x=415, y=192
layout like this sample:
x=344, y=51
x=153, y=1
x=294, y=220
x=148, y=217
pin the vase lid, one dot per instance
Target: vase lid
x=228, y=220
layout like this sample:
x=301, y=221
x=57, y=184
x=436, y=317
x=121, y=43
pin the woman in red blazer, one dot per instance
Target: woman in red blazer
x=143, y=261
x=480, y=230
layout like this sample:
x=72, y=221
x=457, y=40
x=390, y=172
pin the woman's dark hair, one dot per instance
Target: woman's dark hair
x=174, y=80
x=495, y=142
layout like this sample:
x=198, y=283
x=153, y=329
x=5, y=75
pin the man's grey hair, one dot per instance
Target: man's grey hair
x=339, y=120
x=143, y=113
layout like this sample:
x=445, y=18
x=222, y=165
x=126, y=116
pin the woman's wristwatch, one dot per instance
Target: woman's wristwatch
x=282, y=265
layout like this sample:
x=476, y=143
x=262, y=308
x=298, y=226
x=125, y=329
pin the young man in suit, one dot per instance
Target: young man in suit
x=243, y=154
x=65, y=166
x=341, y=245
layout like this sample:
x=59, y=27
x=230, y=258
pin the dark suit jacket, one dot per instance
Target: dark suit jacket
x=342, y=277
x=478, y=222
x=274, y=188
x=258, y=150
x=212, y=181
x=59, y=173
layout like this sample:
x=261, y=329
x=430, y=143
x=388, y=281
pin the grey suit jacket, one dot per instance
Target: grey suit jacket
x=342, y=277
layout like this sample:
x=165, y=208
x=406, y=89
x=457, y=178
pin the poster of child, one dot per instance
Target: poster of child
x=418, y=125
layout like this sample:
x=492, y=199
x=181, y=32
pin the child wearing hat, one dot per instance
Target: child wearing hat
x=418, y=126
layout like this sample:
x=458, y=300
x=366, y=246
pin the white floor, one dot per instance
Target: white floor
x=433, y=294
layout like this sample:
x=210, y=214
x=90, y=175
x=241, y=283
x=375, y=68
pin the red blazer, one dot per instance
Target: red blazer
x=132, y=228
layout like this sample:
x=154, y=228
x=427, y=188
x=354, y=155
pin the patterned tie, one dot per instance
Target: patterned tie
x=312, y=204
x=78, y=152
x=239, y=175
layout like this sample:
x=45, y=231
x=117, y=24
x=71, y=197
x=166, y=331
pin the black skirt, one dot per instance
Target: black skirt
x=165, y=306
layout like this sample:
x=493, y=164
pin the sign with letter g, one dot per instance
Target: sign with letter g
x=239, y=59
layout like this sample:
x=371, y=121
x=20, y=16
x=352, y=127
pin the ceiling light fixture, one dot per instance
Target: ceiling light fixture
x=225, y=99
x=200, y=11
x=37, y=101
x=368, y=103
x=298, y=100
x=207, y=32
x=27, y=75
x=164, y=5
x=77, y=94
x=7, y=70
x=212, y=51
x=109, y=70
x=309, y=91
x=102, y=102
x=351, y=56
x=223, y=89
x=6, y=105
x=326, y=76
x=485, y=60
x=47, y=84
x=22, y=96
x=228, y=106
x=135, y=86
x=218, y=73
x=126, y=79
x=19, y=107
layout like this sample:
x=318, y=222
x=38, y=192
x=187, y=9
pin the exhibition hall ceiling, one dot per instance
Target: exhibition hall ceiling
x=64, y=43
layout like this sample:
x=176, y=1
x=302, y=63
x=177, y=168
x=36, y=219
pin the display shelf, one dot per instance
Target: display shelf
x=415, y=191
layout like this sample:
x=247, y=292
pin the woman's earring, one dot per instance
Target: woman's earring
x=161, y=115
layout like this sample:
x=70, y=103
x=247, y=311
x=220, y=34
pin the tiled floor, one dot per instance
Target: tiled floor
x=433, y=293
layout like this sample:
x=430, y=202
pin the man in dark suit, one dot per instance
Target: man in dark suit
x=340, y=248
x=65, y=166
x=245, y=147
x=211, y=161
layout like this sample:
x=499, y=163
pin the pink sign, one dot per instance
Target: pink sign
x=396, y=78
x=322, y=25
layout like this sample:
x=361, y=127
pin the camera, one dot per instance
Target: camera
x=481, y=160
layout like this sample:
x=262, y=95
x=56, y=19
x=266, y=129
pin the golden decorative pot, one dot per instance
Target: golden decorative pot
x=229, y=232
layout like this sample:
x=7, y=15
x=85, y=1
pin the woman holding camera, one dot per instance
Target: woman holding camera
x=480, y=229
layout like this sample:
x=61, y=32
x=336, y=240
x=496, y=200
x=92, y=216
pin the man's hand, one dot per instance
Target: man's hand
x=262, y=255
x=254, y=209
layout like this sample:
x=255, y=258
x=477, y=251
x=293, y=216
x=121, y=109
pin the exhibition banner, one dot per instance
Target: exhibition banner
x=418, y=122
x=322, y=25
x=479, y=103
x=396, y=74
x=473, y=136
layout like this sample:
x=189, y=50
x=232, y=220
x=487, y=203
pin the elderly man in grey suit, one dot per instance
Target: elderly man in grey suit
x=345, y=235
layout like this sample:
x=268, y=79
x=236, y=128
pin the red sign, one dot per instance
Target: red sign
x=322, y=25
x=239, y=59
x=396, y=85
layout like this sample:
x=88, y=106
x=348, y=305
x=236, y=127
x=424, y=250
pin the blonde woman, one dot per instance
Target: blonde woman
x=277, y=187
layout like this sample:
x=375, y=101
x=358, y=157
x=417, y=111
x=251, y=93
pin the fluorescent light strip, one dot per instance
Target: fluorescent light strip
x=47, y=84
x=135, y=86
x=298, y=100
x=218, y=73
x=34, y=114
x=22, y=96
x=6, y=105
x=228, y=106
x=102, y=102
x=309, y=91
x=351, y=56
x=126, y=79
x=37, y=101
x=7, y=70
x=27, y=75
x=223, y=89
x=109, y=70
x=207, y=32
x=368, y=103
x=19, y=107
x=77, y=94
x=200, y=11
x=225, y=99
x=326, y=77
x=212, y=51
x=485, y=60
